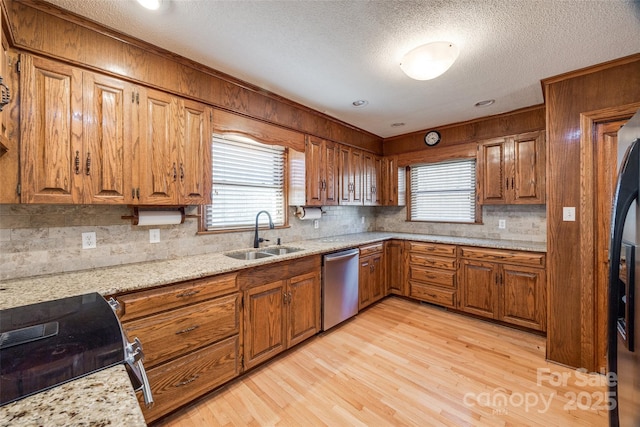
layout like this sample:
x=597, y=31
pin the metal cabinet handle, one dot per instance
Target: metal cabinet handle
x=185, y=382
x=181, y=172
x=77, y=162
x=138, y=193
x=189, y=329
x=88, y=171
x=187, y=294
x=175, y=172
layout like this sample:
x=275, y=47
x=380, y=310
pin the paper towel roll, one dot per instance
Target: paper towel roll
x=159, y=217
x=309, y=213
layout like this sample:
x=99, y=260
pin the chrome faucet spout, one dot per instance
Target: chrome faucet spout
x=256, y=238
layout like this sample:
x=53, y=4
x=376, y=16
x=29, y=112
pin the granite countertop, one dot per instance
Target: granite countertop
x=107, y=396
x=100, y=399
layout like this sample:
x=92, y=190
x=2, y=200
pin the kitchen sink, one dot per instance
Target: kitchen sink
x=280, y=250
x=250, y=254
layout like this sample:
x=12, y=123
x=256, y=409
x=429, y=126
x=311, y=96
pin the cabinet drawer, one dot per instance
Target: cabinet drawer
x=182, y=380
x=153, y=301
x=433, y=248
x=496, y=255
x=371, y=249
x=432, y=294
x=438, y=277
x=172, y=333
x=432, y=261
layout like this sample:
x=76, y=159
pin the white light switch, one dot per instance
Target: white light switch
x=502, y=223
x=568, y=213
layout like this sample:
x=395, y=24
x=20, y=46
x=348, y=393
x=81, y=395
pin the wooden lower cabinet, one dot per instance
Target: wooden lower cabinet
x=282, y=312
x=432, y=273
x=508, y=286
x=371, y=286
x=184, y=379
x=394, y=268
x=190, y=334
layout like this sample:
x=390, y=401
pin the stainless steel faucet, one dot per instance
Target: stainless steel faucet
x=257, y=240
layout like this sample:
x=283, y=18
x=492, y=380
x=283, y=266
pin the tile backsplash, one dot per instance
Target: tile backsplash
x=44, y=239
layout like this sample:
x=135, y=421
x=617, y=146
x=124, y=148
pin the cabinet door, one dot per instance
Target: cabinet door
x=529, y=168
x=158, y=166
x=194, y=168
x=331, y=159
x=389, y=196
x=51, y=132
x=107, y=140
x=522, y=297
x=356, y=160
x=264, y=322
x=493, y=160
x=478, y=288
x=394, y=259
x=313, y=169
x=377, y=277
x=364, y=283
x=346, y=183
x=304, y=307
x=368, y=179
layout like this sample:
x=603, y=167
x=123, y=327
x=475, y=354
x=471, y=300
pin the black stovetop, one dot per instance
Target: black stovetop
x=46, y=344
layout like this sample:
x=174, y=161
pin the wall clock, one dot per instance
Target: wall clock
x=432, y=137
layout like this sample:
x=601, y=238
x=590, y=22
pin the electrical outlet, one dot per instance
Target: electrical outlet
x=568, y=213
x=154, y=235
x=316, y=224
x=362, y=220
x=502, y=224
x=89, y=240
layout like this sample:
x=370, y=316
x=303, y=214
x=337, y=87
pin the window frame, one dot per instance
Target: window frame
x=477, y=207
x=202, y=226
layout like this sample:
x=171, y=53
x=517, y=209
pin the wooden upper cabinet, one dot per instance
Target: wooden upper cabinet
x=76, y=129
x=512, y=169
x=194, y=165
x=107, y=135
x=158, y=159
x=389, y=196
x=372, y=179
x=322, y=172
x=92, y=139
x=351, y=165
x=51, y=132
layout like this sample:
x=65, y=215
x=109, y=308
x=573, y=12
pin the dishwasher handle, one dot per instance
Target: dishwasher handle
x=341, y=255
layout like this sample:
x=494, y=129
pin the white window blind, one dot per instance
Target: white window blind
x=444, y=191
x=247, y=177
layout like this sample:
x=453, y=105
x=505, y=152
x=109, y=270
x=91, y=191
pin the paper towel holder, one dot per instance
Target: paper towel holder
x=136, y=210
x=300, y=210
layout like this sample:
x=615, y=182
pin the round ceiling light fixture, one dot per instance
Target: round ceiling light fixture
x=484, y=103
x=152, y=4
x=430, y=60
x=360, y=103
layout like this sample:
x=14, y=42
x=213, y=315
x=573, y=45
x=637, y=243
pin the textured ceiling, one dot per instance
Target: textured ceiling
x=327, y=54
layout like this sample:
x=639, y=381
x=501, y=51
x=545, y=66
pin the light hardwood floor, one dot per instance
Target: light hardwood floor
x=401, y=363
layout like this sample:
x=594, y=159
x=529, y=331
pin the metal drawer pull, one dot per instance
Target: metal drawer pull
x=190, y=380
x=189, y=329
x=187, y=294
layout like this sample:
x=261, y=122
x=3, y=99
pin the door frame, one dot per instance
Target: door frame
x=588, y=122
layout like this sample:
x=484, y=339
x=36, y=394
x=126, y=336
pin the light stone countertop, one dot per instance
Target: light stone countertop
x=104, y=397
x=100, y=399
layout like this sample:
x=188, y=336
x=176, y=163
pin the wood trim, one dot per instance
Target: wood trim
x=588, y=121
x=590, y=70
x=435, y=155
x=523, y=120
x=267, y=133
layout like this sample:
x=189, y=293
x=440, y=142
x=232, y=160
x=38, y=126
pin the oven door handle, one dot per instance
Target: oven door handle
x=146, y=387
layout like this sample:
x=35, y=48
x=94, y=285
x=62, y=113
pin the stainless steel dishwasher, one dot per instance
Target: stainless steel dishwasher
x=339, y=287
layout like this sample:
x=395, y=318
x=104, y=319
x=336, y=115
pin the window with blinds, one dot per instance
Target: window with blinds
x=248, y=177
x=444, y=192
